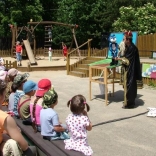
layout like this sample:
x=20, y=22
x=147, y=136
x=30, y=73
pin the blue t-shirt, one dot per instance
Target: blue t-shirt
x=49, y=119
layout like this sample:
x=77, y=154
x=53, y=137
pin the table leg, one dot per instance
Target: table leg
x=90, y=78
x=105, y=82
x=113, y=80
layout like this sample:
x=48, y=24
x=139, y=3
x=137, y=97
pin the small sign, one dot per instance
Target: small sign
x=154, y=55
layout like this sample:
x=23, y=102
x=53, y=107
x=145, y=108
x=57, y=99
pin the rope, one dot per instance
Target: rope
x=19, y=32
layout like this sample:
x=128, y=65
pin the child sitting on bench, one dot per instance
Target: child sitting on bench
x=36, y=103
x=78, y=123
x=51, y=129
x=29, y=89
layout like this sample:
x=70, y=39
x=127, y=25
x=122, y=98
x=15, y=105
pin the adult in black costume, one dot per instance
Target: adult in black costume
x=132, y=71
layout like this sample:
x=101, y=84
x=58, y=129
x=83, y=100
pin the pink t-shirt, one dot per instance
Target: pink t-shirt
x=37, y=110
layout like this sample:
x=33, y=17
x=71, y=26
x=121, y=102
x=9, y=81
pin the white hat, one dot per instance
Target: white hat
x=3, y=74
x=13, y=72
x=18, y=42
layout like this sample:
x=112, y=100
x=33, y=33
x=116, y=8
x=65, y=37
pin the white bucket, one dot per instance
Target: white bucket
x=102, y=86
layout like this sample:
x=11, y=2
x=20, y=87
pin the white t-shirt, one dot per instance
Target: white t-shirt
x=50, y=53
x=1, y=64
x=11, y=102
x=1, y=60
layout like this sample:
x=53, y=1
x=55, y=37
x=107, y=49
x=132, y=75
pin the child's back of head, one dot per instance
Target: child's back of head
x=77, y=104
x=14, y=88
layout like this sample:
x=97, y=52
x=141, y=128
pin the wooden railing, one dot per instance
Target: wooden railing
x=9, y=64
x=71, y=52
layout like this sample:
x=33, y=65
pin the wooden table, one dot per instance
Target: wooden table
x=104, y=68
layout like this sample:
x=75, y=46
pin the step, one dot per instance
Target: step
x=85, y=70
x=83, y=66
x=49, y=26
x=88, y=61
x=47, y=45
x=78, y=74
x=46, y=42
x=95, y=58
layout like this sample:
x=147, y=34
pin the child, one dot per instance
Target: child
x=11, y=75
x=50, y=34
x=11, y=98
x=11, y=139
x=3, y=76
x=19, y=53
x=78, y=123
x=36, y=103
x=65, y=51
x=19, y=80
x=2, y=67
x=50, y=126
x=50, y=54
x=29, y=89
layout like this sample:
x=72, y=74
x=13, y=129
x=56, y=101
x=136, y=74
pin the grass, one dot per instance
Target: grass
x=151, y=84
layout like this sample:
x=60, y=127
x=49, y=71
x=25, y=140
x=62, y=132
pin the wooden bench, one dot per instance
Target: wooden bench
x=45, y=147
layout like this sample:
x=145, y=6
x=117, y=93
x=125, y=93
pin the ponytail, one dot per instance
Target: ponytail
x=88, y=108
x=33, y=114
x=68, y=103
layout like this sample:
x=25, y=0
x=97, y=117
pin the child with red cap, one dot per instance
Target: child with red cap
x=36, y=103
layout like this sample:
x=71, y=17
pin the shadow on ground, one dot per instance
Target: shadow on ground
x=119, y=119
x=119, y=97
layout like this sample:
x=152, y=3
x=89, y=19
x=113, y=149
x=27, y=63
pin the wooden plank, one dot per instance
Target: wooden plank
x=36, y=138
x=60, y=145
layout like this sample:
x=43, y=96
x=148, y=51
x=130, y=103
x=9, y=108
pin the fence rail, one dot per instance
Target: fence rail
x=145, y=44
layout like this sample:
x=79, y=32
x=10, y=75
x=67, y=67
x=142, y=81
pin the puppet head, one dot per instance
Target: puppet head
x=112, y=38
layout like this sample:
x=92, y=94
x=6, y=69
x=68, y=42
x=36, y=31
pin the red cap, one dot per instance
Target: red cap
x=128, y=34
x=43, y=86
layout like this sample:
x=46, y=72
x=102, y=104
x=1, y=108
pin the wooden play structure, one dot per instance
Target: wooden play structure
x=30, y=40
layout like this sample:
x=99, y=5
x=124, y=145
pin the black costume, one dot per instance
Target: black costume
x=131, y=73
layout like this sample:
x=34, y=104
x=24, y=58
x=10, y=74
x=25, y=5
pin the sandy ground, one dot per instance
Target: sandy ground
x=44, y=61
x=59, y=61
x=116, y=131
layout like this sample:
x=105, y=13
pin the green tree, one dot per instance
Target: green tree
x=141, y=19
x=18, y=12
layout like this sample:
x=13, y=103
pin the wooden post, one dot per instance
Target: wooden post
x=68, y=64
x=14, y=31
x=73, y=31
x=34, y=47
x=6, y=64
x=15, y=64
x=90, y=83
x=10, y=64
x=113, y=79
x=105, y=82
x=89, y=48
x=28, y=66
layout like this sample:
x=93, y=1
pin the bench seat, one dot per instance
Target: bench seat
x=48, y=148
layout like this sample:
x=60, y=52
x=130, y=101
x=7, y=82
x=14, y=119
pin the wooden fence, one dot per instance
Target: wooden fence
x=145, y=44
x=9, y=64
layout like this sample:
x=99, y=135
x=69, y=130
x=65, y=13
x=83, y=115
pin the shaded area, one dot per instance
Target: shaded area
x=119, y=97
x=119, y=119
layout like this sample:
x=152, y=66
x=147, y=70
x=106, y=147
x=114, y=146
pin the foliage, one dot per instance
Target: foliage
x=92, y=18
x=152, y=84
x=141, y=19
x=19, y=13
